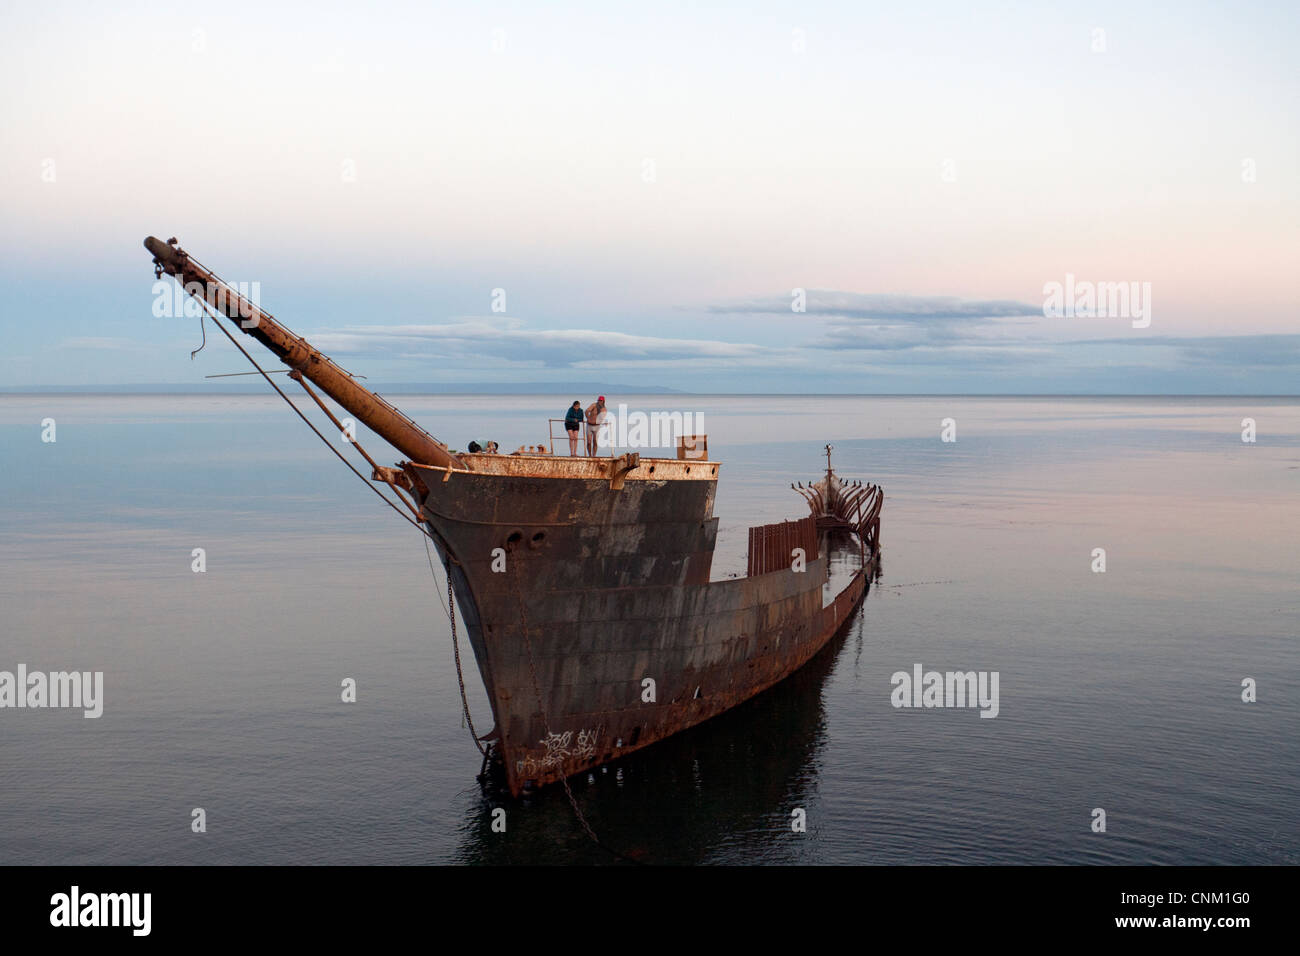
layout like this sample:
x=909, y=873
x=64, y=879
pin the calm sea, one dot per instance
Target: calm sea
x=1119, y=690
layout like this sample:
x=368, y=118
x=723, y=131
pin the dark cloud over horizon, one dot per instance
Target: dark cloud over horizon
x=831, y=303
x=890, y=334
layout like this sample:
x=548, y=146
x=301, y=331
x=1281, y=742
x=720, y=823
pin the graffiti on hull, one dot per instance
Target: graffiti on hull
x=559, y=748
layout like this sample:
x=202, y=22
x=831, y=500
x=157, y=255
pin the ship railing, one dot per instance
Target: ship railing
x=772, y=546
x=563, y=438
x=689, y=447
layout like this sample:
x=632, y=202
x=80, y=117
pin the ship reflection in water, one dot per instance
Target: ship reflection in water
x=733, y=781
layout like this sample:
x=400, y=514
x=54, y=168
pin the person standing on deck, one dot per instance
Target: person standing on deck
x=573, y=426
x=602, y=426
x=595, y=418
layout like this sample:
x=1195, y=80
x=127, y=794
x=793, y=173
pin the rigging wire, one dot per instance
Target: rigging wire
x=297, y=411
x=455, y=646
x=427, y=537
x=446, y=608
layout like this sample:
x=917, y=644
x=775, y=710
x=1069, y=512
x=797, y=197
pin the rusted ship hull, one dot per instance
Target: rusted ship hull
x=577, y=595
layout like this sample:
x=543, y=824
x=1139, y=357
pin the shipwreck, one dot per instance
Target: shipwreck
x=585, y=583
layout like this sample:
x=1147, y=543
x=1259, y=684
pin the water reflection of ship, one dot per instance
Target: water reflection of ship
x=723, y=790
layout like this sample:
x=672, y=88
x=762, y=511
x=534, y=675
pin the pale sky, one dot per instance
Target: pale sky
x=649, y=182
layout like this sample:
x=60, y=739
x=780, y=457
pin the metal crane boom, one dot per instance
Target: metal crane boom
x=377, y=414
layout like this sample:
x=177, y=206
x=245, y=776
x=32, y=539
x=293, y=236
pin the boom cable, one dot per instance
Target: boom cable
x=424, y=532
x=297, y=411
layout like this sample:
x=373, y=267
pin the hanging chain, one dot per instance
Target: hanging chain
x=455, y=646
x=546, y=721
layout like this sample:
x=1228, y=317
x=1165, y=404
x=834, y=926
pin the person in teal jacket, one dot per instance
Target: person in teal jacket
x=572, y=425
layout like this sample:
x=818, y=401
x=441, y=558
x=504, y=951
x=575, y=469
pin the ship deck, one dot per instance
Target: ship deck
x=630, y=467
